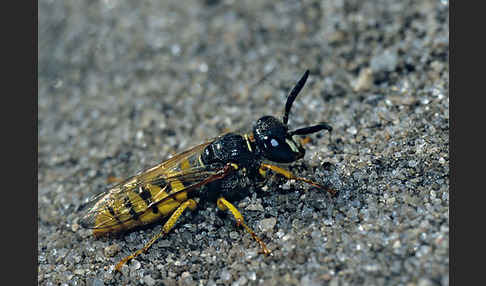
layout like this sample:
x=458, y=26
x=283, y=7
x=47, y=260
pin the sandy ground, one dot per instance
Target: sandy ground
x=125, y=84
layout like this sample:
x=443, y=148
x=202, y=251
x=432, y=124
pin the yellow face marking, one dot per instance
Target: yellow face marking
x=247, y=139
x=292, y=145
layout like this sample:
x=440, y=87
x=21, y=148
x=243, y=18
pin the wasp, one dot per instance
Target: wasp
x=218, y=170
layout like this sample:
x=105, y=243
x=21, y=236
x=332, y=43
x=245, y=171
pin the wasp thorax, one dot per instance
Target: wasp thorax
x=274, y=142
x=229, y=148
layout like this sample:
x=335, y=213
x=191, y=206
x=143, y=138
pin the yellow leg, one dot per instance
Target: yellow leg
x=223, y=205
x=165, y=229
x=305, y=140
x=287, y=174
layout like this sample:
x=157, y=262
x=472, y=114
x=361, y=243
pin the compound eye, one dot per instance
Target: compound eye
x=281, y=151
x=271, y=143
x=274, y=143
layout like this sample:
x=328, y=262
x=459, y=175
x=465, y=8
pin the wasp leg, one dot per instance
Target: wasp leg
x=191, y=204
x=223, y=205
x=287, y=174
x=305, y=140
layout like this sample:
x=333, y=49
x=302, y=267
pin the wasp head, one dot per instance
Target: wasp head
x=273, y=138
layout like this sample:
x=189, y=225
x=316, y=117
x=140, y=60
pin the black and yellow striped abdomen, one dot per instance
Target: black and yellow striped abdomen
x=144, y=205
x=148, y=196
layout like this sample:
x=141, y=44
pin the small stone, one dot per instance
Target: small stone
x=397, y=244
x=108, y=275
x=352, y=130
x=334, y=282
x=97, y=282
x=402, y=99
x=234, y=235
x=124, y=269
x=267, y=224
x=364, y=81
x=225, y=275
x=251, y=254
x=390, y=201
x=241, y=281
x=186, y=278
x=424, y=282
x=111, y=250
x=412, y=163
x=135, y=265
x=75, y=227
x=385, y=61
x=255, y=207
x=149, y=280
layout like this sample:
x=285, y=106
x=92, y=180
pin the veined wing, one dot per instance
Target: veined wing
x=165, y=182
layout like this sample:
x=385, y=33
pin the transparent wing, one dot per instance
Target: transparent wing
x=181, y=173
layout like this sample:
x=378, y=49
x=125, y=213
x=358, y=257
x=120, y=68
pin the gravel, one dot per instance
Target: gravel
x=124, y=84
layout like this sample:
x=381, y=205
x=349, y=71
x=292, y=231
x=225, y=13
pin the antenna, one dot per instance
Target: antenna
x=311, y=129
x=292, y=95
